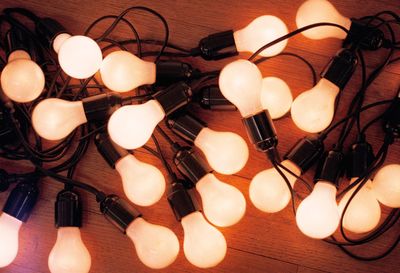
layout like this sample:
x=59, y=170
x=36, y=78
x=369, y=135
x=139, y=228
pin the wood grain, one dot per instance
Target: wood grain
x=260, y=242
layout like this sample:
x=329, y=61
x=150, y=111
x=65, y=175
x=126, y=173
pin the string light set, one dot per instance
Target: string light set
x=60, y=92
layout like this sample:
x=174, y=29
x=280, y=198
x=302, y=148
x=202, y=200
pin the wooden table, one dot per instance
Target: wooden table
x=260, y=242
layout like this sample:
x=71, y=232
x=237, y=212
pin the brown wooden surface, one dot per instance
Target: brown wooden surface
x=260, y=242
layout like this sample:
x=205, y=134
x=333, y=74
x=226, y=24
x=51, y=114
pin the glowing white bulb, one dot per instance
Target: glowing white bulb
x=143, y=183
x=321, y=11
x=80, y=57
x=131, y=126
x=59, y=40
x=386, y=185
x=121, y=71
x=226, y=152
x=260, y=32
x=276, y=97
x=69, y=253
x=22, y=80
x=241, y=83
x=223, y=204
x=9, y=229
x=313, y=110
x=204, y=245
x=269, y=191
x=318, y=214
x=54, y=119
x=363, y=213
x=156, y=246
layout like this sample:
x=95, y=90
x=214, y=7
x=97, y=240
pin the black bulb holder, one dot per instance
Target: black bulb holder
x=180, y=200
x=331, y=168
x=169, y=72
x=109, y=150
x=100, y=107
x=190, y=165
x=216, y=46
x=22, y=200
x=48, y=29
x=364, y=36
x=359, y=159
x=340, y=68
x=16, y=40
x=68, y=209
x=118, y=212
x=210, y=98
x=186, y=126
x=391, y=119
x=306, y=152
x=174, y=97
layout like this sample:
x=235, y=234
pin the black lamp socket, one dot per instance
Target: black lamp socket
x=391, y=119
x=16, y=40
x=180, y=200
x=169, y=72
x=100, y=107
x=211, y=98
x=174, y=97
x=48, y=29
x=186, y=126
x=364, y=36
x=210, y=47
x=68, y=209
x=331, y=168
x=109, y=150
x=360, y=158
x=191, y=166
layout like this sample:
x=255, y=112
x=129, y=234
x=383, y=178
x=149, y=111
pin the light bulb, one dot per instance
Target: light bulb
x=122, y=71
x=321, y=11
x=156, y=246
x=22, y=80
x=223, y=204
x=79, y=56
x=226, y=152
x=143, y=183
x=318, y=214
x=54, y=119
x=69, y=253
x=363, y=213
x=131, y=126
x=313, y=110
x=386, y=185
x=260, y=32
x=269, y=191
x=241, y=83
x=276, y=97
x=203, y=244
x=9, y=229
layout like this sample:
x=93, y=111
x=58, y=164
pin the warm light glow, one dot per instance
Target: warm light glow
x=241, y=83
x=80, y=57
x=143, y=183
x=121, y=71
x=22, y=80
x=204, y=245
x=260, y=32
x=276, y=97
x=226, y=152
x=54, y=119
x=223, y=204
x=269, y=191
x=69, y=254
x=318, y=214
x=59, y=40
x=364, y=211
x=321, y=11
x=131, y=126
x=386, y=185
x=313, y=110
x=156, y=246
x=9, y=228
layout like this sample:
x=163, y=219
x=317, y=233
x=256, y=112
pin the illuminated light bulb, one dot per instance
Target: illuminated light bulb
x=260, y=32
x=131, y=126
x=364, y=212
x=79, y=56
x=321, y=11
x=69, y=253
x=318, y=214
x=122, y=71
x=9, y=229
x=269, y=191
x=241, y=83
x=54, y=119
x=204, y=245
x=59, y=40
x=143, y=183
x=276, y=97
x=22, y=80
x=156, y=246
x=226, y=152
x=223, y=204
x=313, y=110
x=386, y=185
